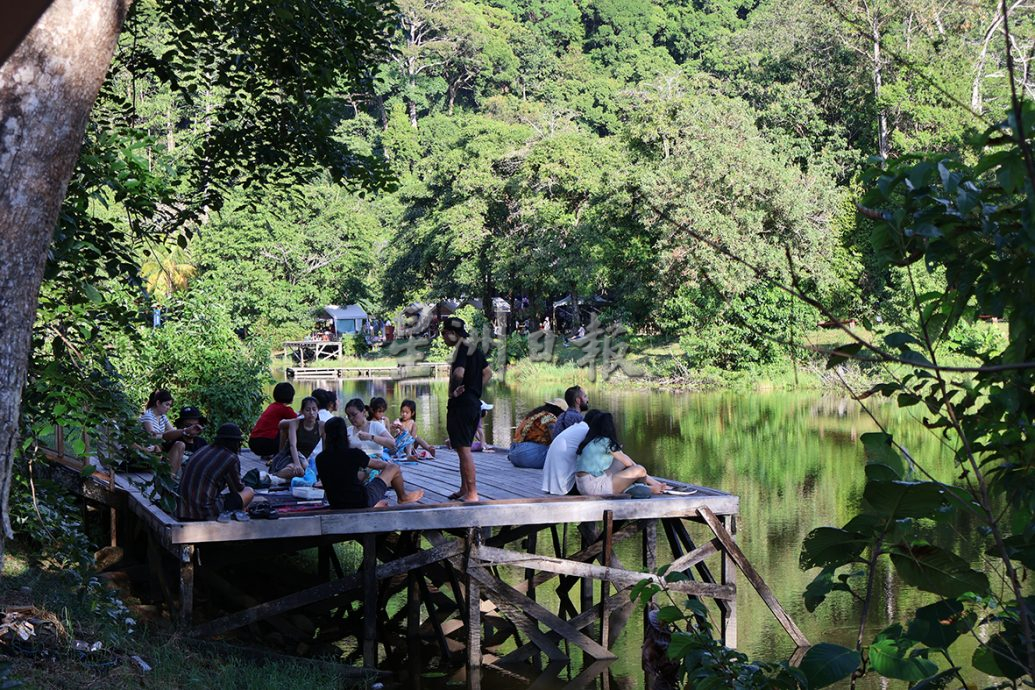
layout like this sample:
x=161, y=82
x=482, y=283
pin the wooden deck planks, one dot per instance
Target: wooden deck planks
x=509, y=496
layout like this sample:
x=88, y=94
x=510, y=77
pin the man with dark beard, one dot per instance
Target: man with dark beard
x=578, y=402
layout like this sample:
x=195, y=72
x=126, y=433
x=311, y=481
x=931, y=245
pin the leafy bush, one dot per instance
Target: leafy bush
x=517, y=347
x=975, y=339
x=197, y=355
x=740, y=332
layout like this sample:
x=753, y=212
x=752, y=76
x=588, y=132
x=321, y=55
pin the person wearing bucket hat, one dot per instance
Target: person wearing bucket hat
x=192, y=423
x=212, y=469
x=468, y=375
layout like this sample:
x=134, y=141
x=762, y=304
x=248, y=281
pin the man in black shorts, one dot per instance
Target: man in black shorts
x=468, y=376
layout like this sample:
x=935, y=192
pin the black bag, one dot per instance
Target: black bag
x=251, y=478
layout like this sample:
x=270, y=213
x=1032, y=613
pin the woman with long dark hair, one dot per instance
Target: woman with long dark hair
x=602, y=468
x=339, y=465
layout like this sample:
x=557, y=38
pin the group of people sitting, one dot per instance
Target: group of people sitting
x=578, y=450
x=355, y=458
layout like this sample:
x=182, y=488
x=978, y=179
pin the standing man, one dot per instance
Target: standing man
x=578, y=403
x=468, y=376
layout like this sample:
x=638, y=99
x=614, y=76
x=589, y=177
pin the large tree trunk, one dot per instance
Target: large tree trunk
x=47, y=88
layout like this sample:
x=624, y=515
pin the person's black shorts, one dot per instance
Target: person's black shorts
x=376, y=490
x=264, y=447
x=462, y=416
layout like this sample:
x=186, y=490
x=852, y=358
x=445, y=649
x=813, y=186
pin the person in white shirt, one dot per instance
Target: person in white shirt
x=369, y=435
x=327, y=401
x=559, y=468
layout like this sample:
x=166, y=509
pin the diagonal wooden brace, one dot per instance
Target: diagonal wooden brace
x=729, y=545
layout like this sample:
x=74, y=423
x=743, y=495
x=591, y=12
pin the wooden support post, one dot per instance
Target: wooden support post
x=729, y=544
x=323, y=562
x=587, y=536
x=650, y=546
x=530, y=544
x=605, y=558
x=113, y=525
x=436, y=624
x=728, y=619
x=370, y=600
x=474, y=614
x=650, y=558
x=186, y=586
x=157, y=573
x=59, y=440
x=412, y=606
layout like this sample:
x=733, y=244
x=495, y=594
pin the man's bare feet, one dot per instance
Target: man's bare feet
x=412, y=496
x=469, y=498
x=383, y=503
x=658, y=488
x=432, y=451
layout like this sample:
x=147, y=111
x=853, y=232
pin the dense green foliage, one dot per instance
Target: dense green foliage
x=623, y=148
x=552, y=148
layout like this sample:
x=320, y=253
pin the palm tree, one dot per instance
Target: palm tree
x=166, y=271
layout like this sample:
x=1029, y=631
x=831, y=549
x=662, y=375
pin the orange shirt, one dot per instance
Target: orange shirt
x=535, y=429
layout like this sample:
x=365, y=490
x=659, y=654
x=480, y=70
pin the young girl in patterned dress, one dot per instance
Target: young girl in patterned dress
x=404, y=430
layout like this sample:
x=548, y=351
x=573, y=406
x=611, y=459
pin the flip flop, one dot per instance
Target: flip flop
x=455, y=496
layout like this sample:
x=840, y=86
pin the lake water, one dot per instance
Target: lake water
x=794, y=459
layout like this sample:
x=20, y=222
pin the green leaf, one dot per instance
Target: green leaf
x=938, y=625
x=899, y=339
x=822, y=585
x=92, y=293
x=87, y=471
x=889, y=656
x=938, y=681
x=896, y=499
x=830, y=546
x=842, y=353
x=996, y=658
x=825, y=664
x=933, y=569
x=670, y=614
x=880, y=451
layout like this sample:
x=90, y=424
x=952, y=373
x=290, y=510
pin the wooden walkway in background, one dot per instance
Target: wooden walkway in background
x=446, y=558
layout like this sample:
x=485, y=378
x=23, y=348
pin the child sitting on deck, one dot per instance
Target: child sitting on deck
x=339, y=467
x=403, y=429
x=377, y=410
x=265, y=439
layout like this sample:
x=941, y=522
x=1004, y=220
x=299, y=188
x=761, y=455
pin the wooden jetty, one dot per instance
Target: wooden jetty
x=312, y=350
x=448, y=561
x=395, y=372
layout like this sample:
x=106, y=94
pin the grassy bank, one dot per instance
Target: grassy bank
x=174, y=661
x=661, y=361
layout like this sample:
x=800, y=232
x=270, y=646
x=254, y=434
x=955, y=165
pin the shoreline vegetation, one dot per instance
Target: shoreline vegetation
x=663, y=363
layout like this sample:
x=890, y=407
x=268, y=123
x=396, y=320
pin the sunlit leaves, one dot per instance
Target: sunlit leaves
x=893, y=655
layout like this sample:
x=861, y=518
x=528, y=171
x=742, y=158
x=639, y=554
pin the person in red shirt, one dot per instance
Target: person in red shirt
x=265, y=439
